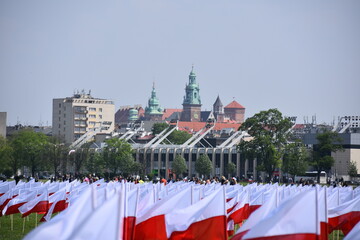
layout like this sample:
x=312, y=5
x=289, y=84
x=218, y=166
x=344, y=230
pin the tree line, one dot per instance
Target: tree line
x=39, y=153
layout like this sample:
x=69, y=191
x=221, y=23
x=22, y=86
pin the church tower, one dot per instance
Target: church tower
x=192, y=102
x=153, y=111
x=218, y=110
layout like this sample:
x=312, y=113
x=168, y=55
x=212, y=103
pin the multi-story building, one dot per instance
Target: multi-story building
x=76, y=115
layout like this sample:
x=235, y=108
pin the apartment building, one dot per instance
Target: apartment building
x=76, y=115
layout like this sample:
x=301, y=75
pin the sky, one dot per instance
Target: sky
x=301, y=57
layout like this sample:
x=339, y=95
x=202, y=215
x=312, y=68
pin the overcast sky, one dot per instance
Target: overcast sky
x=302, y=57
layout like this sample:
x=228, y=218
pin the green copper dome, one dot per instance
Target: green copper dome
x=192, y=90
x=133, y=114
x=153, y=104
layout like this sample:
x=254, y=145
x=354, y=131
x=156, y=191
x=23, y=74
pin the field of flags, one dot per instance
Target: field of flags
x=183, y=210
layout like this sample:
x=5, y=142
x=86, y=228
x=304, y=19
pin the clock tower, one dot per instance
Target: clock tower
x=192, y=102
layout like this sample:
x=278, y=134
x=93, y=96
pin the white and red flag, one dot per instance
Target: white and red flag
x=205, y=219
x=39, y=205
x=151, y=223
x=295, y=218
x=345, y=216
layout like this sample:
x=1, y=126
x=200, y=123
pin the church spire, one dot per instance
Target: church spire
x=192, y=76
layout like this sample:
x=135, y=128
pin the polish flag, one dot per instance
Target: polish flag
x=39, y=205
x=57, y=203
x=151, y=223
x=14, y=204
x=322, y=212
x=130, y=213
x=241, y=211
x=106, y=222
x=344, y=216
x=257, y=216
x=256, y=200
x=4, y=199
x=295, y=218
x=68, y=221
x=204, y=220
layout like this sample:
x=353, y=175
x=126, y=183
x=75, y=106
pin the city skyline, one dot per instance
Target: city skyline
x=302, y=58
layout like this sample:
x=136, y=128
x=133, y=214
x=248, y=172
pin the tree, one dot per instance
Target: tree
x=179, y=165
x=295, y=159
x=179, y=137
x=203, y=165
x=117, y=155
x=81, y=156
x=270, y=131
x=158, y=128
x=29, y=147
x=95, y=163
x=6, y=157
x=327, y=142
x=231, y=168
x=56, y=152
x=352, y=171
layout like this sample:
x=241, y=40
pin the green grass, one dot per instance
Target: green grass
x=17, y=233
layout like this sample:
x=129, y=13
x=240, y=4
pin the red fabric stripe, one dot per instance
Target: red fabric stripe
x=344, y=222
x=14, y=208
x=239, y=236
x=129, y=228
x=41, y=207
x=324, y=231
x=210, y=229
x=60, y=206
x=4, y=204
x=240, y=215
x=253, y=208
x=152, y=228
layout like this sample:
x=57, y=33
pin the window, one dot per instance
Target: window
x=100, y=109
x=100, y=116
x=59, y=105
x=92, y=116
x=92, y=109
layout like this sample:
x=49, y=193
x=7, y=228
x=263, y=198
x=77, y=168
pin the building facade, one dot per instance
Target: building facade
x=76, y=115
x=159, y=160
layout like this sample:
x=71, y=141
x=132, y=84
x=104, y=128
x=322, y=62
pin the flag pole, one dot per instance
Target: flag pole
x=23, y=230
x=317, y=214
x=12, y=222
